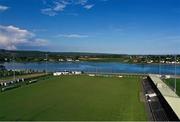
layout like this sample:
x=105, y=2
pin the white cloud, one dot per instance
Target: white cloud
x=60, y=6
x=49, y=12
x=11, y=37
x=3, y=8
x=82, y=2
x=56, y=6
x=88, y=6
x=72, y=36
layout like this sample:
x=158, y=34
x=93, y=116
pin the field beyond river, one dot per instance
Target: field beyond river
x=75, y=98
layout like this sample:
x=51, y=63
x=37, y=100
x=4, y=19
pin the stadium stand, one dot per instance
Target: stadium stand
x=168, y=99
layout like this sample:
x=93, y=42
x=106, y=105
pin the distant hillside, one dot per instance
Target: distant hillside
x=21, y=55
x=38, y=56
x=42, y=53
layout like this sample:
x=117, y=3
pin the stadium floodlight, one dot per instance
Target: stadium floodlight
x=159, y=65
x=46, y=62
x=146, y=60
x=96, y=70
x=175, y=73
x=14, y=74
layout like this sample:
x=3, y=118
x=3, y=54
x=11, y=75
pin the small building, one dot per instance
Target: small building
x=1, y=84
x=69, y=59
x=5, y=84
x=76, y=72
x=61, y=60
x=151, y=61
x=120, y=76
x=11, y=82
x=22, y=79
x=91, y=75
x=167, y=76
x=163, y=62
x=60, y=73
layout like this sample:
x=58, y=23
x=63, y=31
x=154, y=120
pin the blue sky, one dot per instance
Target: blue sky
x=103, y=26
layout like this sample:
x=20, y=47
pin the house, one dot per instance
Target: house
x=149, y=62
x=61, y=60
x=163, y=62
x=1, y=84
x=22, y=79
x=5, y=84
x=69, y=59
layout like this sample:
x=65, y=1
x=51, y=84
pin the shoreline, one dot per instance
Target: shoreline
x=24, y=62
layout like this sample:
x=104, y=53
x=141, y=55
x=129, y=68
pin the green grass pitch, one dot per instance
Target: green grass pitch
x=170, y=82
x=75, y=98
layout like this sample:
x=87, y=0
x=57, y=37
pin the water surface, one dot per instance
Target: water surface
x=105, y=67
